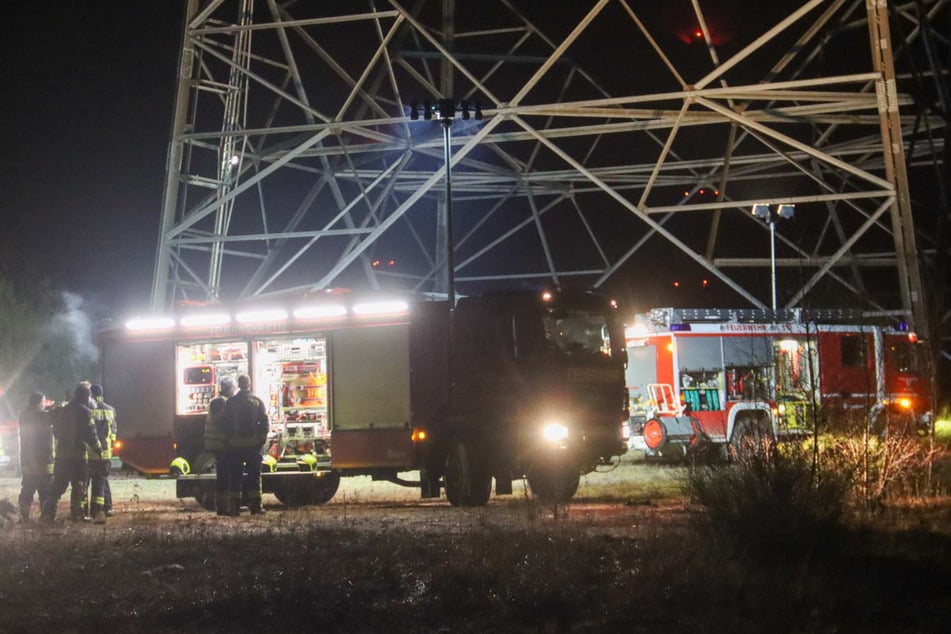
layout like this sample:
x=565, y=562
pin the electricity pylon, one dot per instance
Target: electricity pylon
x=619, y=139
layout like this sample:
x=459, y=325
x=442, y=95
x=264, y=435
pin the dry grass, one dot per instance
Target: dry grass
x=622, y=558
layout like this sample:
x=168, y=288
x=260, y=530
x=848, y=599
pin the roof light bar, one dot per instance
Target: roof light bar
x=269, y=314
x=205, y=319
x=320, y=311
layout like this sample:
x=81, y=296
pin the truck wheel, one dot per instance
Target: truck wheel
x=292, y=492
x=466, y=483
x=750, y=438
x=206, y=490
x=307, y=491
x=323, y=489
x=554, y=485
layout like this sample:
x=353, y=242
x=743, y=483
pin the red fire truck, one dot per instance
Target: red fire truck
x=722, y=375
x=521, y=385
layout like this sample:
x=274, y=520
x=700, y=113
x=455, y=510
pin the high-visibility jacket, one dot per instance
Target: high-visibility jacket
x=75, y=431
x=105, y=417
x=36, y=441
x=245, y=421
x=216, y=439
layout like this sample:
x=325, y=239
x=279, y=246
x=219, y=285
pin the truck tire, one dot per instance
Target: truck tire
x=297, y=491
x=323, y=489
x=554, y=485
x=750, y=438
x=466, y=482
x=206, y=463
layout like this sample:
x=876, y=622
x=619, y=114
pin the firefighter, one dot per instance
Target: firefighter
x=99, y=467
x=216, y=442
x=75, y=431
x=245, y=422
x=36, y=454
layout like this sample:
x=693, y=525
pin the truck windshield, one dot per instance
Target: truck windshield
x=904, y=356
x=577, y=334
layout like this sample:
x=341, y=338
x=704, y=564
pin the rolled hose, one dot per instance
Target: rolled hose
x=655, y=434
x=658, y=433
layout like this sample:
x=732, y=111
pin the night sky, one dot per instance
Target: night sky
x=86, y=116
x=86, y=113
x=86, y=119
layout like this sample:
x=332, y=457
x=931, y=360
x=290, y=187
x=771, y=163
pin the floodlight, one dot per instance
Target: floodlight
x=447, y=108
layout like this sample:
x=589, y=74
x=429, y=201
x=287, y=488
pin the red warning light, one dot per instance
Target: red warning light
x=704, y=283
x=376, y=263
x=676, y=284
x=391, y=263
x=698, y=34
x=702, y=192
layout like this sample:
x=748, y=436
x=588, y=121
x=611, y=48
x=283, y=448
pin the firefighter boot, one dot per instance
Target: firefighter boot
x=225, y=507
x=48, y=511
x=25, y=514
x=98, y=514
x=255, y=507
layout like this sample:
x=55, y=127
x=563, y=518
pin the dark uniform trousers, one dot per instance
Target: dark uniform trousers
x=99, y=474
x=68, y=473
x=38, y=483
x=242, y=468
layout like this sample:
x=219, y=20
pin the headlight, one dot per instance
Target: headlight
x=555, y=432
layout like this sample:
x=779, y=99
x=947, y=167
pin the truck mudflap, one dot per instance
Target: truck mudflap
x=673, y=436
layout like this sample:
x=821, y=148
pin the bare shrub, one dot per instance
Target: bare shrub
x=768, y=503
x=879, y=454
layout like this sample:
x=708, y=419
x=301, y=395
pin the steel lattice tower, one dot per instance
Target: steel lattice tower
x=619, y=138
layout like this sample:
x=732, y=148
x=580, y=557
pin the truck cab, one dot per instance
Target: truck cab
x=537, y=391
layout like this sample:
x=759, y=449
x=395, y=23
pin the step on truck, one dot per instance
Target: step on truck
x=506, y=386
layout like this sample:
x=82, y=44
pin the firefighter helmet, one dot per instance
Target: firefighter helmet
x=179, y=466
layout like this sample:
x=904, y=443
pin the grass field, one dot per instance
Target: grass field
x=623, y=557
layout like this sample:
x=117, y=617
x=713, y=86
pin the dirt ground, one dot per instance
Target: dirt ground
x=625, y=501
x=378, y=559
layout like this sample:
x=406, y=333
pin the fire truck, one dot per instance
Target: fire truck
x=722, y=376
x=505, y=386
